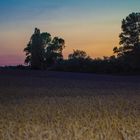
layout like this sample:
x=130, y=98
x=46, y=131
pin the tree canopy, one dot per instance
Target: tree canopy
x=42, y=50
x=129, y=50
x=78, y=54
x=54, y=50
x=130, y=35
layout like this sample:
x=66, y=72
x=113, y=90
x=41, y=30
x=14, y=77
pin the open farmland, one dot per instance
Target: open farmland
x=41, y=105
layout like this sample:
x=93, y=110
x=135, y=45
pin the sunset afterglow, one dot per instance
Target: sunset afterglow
x=89, y=25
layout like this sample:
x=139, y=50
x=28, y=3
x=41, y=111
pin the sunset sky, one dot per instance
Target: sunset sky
x=89, y=25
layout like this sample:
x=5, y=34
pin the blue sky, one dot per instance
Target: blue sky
x=25, y=10
x=90, y=25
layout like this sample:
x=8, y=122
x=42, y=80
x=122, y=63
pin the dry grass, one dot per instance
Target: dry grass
x=71, y=118
x=61, y=106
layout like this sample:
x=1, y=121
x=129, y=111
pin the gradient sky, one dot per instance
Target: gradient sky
x=89, y=25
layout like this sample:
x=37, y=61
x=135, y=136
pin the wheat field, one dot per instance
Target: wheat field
x=69, y=107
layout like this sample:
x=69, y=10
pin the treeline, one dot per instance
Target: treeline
x=105, y=65
x=45, y=52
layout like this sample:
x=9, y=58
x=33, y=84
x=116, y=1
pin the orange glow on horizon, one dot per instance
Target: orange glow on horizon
x=91, y=26
x=95, y=45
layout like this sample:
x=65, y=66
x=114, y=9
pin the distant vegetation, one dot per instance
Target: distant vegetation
x=43, y=52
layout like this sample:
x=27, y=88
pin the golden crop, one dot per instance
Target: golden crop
x=103, y=117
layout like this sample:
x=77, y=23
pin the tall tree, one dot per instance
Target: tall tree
x=34, y=50
x=129, y=50
x=130, y=35
x=42, y=50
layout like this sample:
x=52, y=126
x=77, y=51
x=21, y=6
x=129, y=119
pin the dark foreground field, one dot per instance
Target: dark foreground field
x=45, y=105
x=29, y=83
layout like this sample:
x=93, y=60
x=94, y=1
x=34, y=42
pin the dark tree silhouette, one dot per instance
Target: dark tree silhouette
x=78, y=54
x=129, y=50
x=130, y=36
x=42, y=50
x=54, y=51
x=34, y=50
